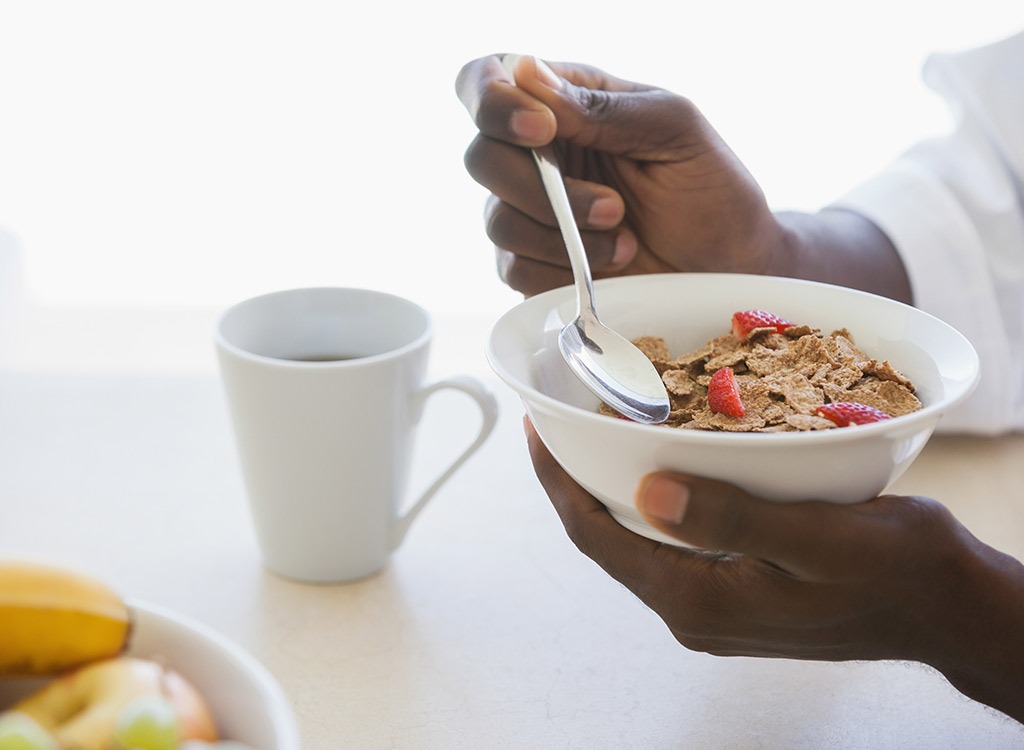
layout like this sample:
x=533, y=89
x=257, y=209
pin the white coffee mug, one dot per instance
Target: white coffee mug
x=325, y=387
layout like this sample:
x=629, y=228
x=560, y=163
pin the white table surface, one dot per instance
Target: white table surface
x=488, y=629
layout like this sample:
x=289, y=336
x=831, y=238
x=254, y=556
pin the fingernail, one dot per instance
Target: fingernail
x=547, y=76
x=530, y=125
x=664, y=499
x=625, y=248
x=509, y=62
x=604, y=212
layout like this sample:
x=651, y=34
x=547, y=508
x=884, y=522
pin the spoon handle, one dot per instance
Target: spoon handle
x=551, y=176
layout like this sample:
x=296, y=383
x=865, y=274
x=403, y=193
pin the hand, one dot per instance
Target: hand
x=892, y=578
x=653, y=187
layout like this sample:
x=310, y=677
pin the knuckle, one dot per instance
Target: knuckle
x=513, y=271
x=729, y=527
x=502, y=223
x=493, y=211
x=925, y=534
x=582, y=532
x=595, y=106
x=488, y=106
x=695, y=642
x=476, y=158
x=528, y=276
x=696, y=606
x=925, y=516
x=595, y=102
x=503, y=260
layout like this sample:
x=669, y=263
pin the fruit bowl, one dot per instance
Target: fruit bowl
x=608, y=456
x=247, y=702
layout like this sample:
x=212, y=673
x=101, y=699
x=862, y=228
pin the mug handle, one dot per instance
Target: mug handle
x=488, y=411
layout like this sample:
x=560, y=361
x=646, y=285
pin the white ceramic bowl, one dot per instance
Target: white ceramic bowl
x=247, y=702
x=608, y=456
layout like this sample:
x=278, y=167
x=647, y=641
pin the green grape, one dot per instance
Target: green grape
x=20, y=731
x=147, y=723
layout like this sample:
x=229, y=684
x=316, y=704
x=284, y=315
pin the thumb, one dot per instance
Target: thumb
x=598, y=111
x=809, y=539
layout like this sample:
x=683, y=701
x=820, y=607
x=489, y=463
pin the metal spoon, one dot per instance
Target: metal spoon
x=609, y=365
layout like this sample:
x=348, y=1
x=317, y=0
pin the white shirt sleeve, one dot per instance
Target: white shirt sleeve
x=954, y=208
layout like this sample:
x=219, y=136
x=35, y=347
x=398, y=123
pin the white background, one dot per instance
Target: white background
x=189, y=154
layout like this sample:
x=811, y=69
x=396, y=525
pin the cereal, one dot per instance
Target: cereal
x=783, y=378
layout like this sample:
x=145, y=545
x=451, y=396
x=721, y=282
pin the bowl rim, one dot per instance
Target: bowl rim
x=276, y=704
x=906, y=422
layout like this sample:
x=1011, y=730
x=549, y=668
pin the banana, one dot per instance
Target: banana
x=53, y=619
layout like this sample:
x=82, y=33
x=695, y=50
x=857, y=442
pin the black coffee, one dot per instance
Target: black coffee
x=325, y=357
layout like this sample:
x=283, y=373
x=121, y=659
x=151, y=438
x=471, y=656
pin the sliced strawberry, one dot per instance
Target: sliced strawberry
x=724, y=394
x=745, y=322
x=850, y=413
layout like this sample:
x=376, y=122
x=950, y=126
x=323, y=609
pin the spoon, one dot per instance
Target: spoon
x=615, y=370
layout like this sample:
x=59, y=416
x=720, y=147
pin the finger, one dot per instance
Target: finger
x=815, y=639
x=521, y=234
x=501, y=109
x=597, y=111
x=813, y=540
x=744, y=606
x=510, y=173
x=621, y=553
x=527, y=67
x=530, y=277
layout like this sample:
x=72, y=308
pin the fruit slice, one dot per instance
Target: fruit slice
x=19, y=731
x=54, y=619
x=83, y=708
x=850, y=413
x=147, y=723
x=724, y=394
x=746, y=322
